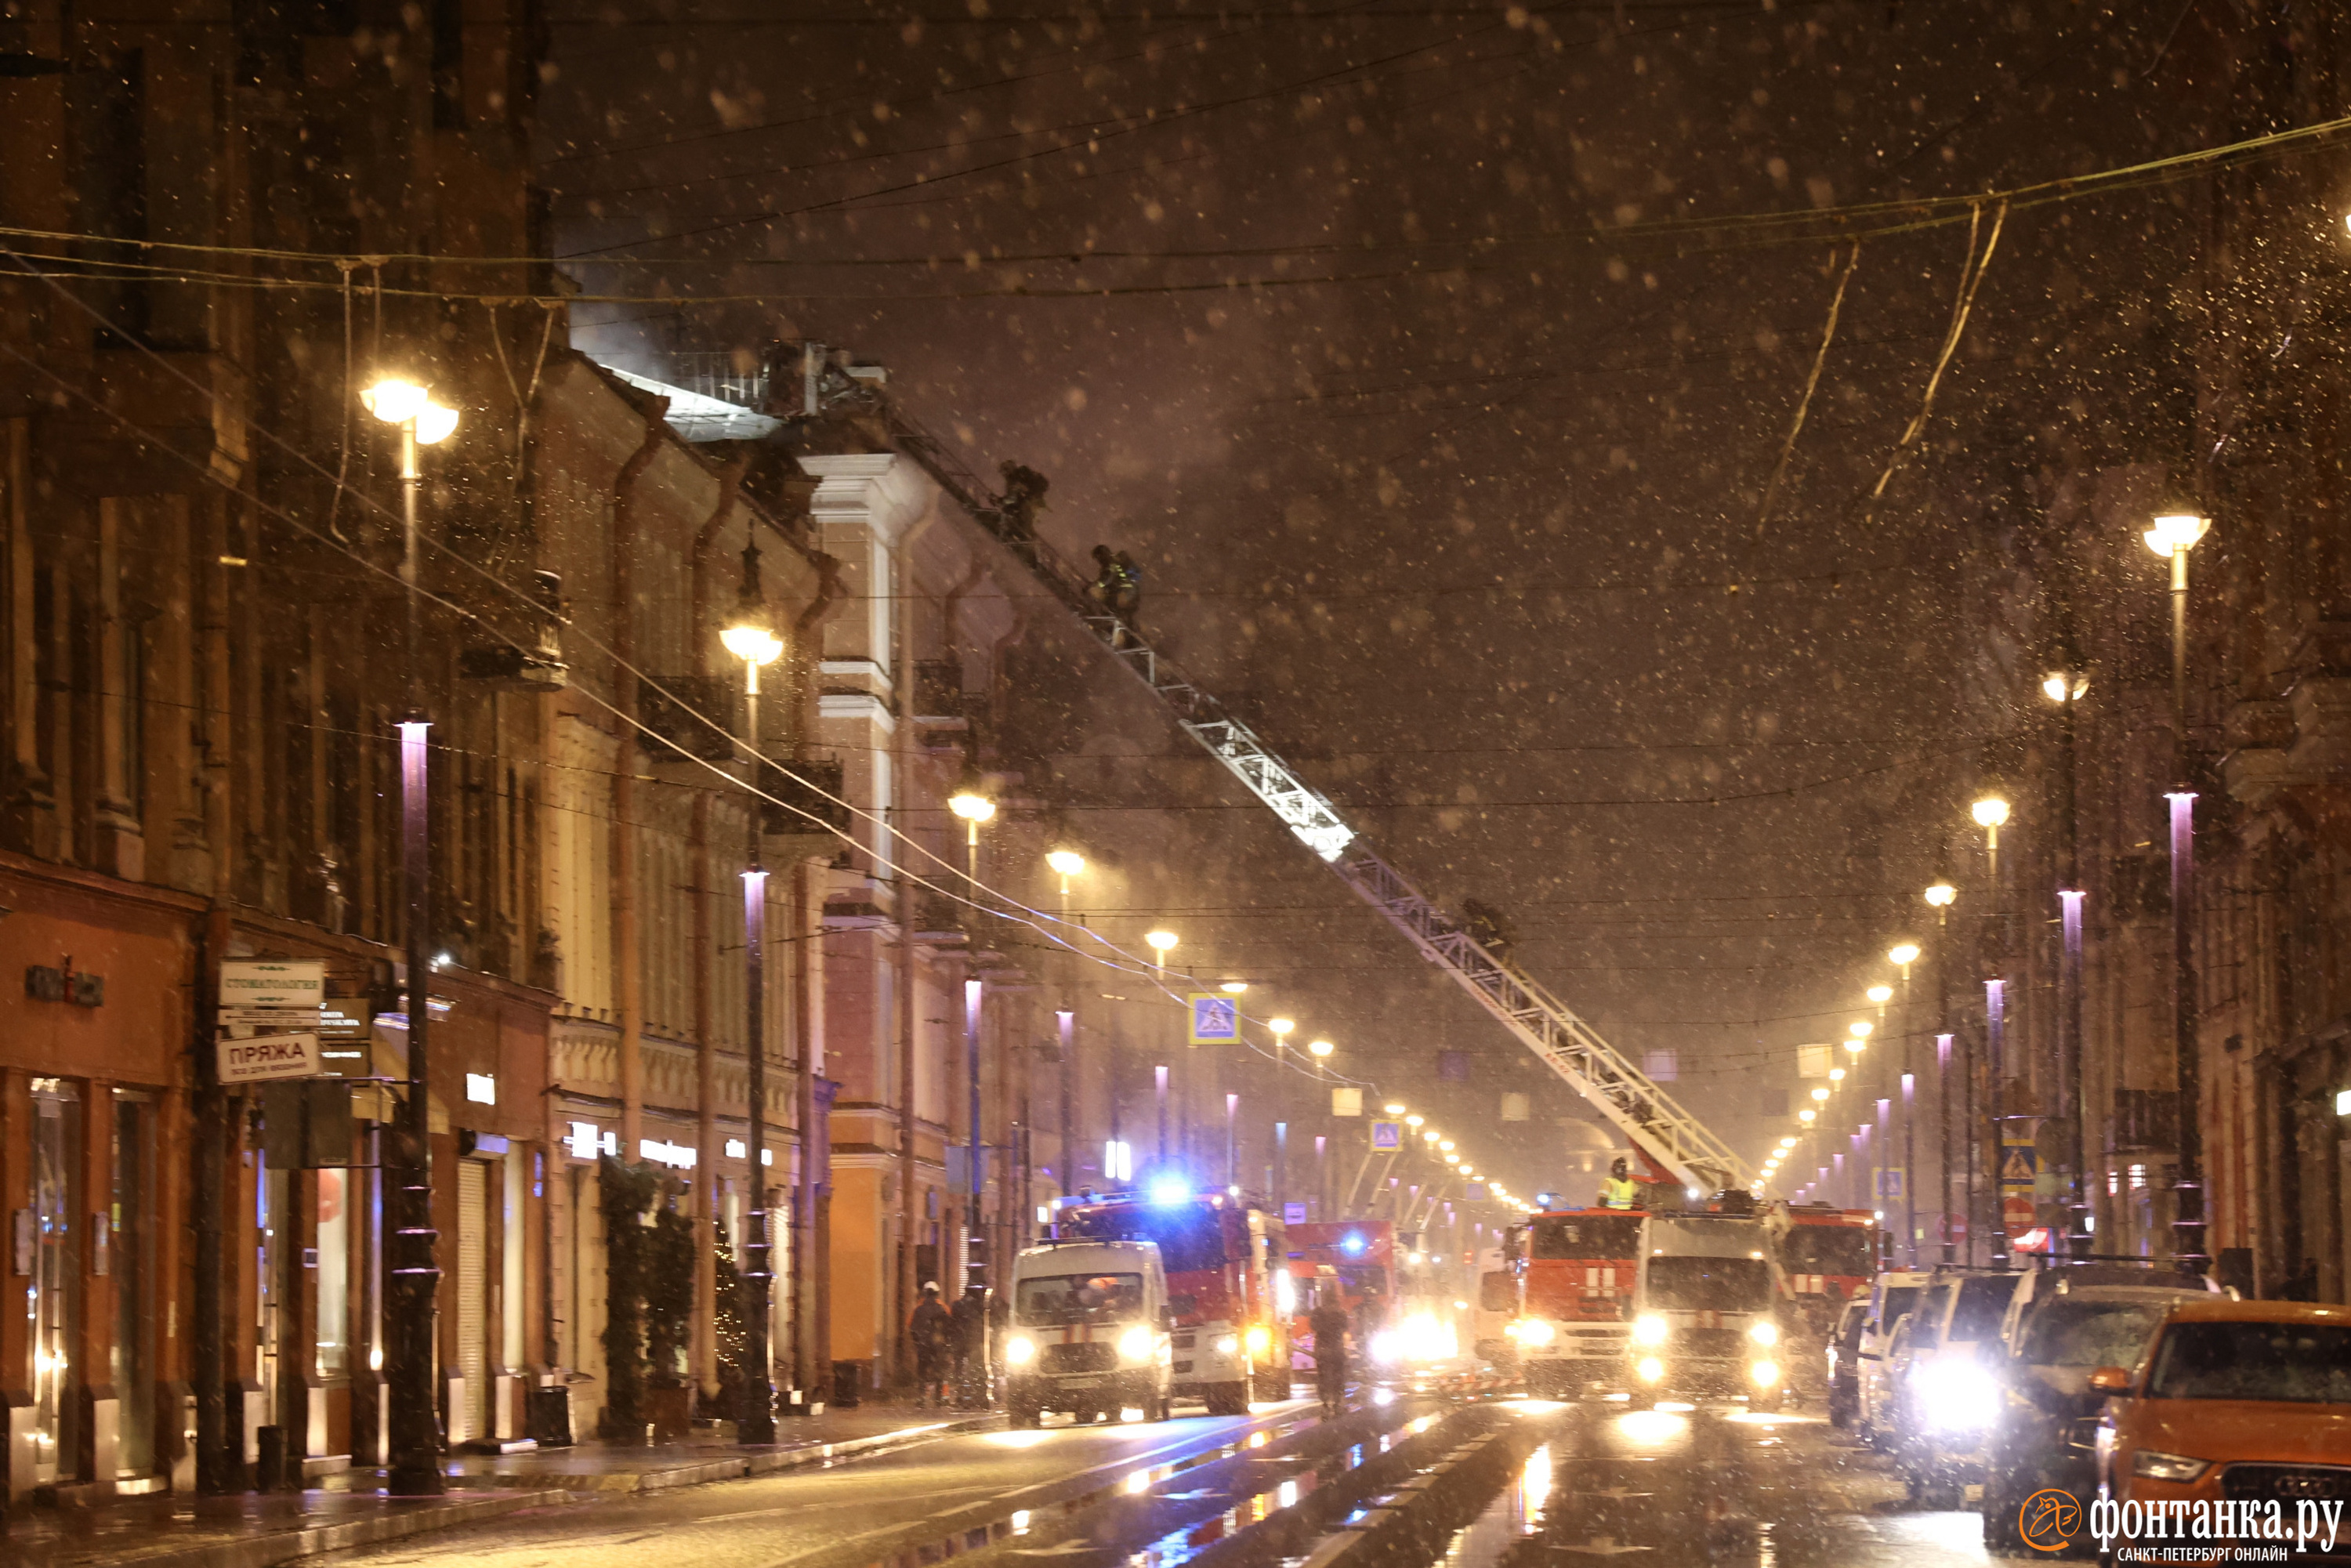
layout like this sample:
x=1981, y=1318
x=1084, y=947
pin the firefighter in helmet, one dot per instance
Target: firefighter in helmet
x=1620, y=1190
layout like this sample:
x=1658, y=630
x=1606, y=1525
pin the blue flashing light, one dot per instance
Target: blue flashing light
x=1352, y=1244
x=1169, y=1190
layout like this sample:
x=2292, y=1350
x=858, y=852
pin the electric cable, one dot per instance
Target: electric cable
x=1131, y=965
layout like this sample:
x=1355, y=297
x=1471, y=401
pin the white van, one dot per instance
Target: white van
x=1706, y=1309
x=1090, y=1332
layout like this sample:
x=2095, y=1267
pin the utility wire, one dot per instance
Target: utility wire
x=1126, y=963
x=1807, y=226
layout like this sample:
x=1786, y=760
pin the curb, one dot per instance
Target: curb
x=285, y=1546
x=397, y=1523
x=775, y=1461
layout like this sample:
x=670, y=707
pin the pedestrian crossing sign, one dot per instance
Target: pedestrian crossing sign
x=1216, y=1019
x=2019, y=1164
x=1388, y=1137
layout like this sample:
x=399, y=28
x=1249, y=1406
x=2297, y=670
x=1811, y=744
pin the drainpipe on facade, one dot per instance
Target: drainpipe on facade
x=628, y=981
x=703, y=1353
x=910, y=1206
x=1015, y=1098
x=220, y=1445
x=812, y=1235
x=707, y=1148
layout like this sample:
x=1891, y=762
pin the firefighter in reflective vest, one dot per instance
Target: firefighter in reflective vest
x=1620, y=1190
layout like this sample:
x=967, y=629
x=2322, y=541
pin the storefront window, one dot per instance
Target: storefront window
x=334, y=1274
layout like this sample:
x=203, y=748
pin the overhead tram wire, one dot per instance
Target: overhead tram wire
x=1132, y=966
x=1806, y=227
x=535, y=608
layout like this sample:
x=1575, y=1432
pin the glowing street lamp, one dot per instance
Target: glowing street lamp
x=1161, y=944
x=2064, y=686
x=1234, y=987
x=1990, y=814
x=1807, y=1115
x=1065, y=865
x=750, y=636
x=1941, y=894
x=1392, y=1109
x=1823, y=1095
x=1881, y=995
x=2175, y=533
x=414, y=1467
x=974, y=807
x=1902, y=955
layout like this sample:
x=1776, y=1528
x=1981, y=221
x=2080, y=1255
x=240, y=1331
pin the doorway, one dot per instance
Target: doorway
x=55, y=1305
x=130, y=1249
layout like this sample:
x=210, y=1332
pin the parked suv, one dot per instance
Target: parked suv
x=2045, y=1434
x=1891, y=1298
x=1950, y=1391
x=2235, y=1401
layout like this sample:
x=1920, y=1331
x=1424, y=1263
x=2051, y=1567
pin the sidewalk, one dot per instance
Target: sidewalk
x=254, y=1531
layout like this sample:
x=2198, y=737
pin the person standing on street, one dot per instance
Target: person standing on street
x=931, y=1329
x=970, y=1319
x=1328, y=1325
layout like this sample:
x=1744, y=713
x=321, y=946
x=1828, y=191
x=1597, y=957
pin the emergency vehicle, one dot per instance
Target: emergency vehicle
x=1829, y=1257
x=1350, y=1262
x=1576, y=1272
x=1227, y=1280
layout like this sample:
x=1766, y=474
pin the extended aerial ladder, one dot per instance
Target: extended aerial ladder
x=1545, y=1025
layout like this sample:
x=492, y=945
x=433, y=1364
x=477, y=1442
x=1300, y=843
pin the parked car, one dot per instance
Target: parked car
x=1949, y=1387
x=2243, y=1401
x=2040, y=1280
x=1891, y=1297
x=2045, y=1434
x=1845, y=1364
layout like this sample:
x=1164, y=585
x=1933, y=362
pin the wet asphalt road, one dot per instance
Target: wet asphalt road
x=855, y=1512
x=1713, y=1485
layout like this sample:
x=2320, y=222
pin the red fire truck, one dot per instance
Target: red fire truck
x=1227, y=1280
x=1577, y=1270
x=1353, y=1259
x=1829, y=1256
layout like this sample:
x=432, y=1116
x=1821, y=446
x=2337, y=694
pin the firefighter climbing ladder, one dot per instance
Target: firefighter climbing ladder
x=1544, y=1024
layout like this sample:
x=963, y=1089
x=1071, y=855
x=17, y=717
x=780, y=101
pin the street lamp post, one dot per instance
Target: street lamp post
x=974, y=807
x=414, y=1468
x=1161, y=942
x=1320, y=1050
x=1902, y=955
x=1940, y=895
x=1990, y=814
x=1066, y=864
x=1857, y=1042
x=2065, y=687
x=2173, y=536
x=751, y=637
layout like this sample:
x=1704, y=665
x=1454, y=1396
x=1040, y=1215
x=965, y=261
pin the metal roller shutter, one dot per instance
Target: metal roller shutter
x=472, y=1296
